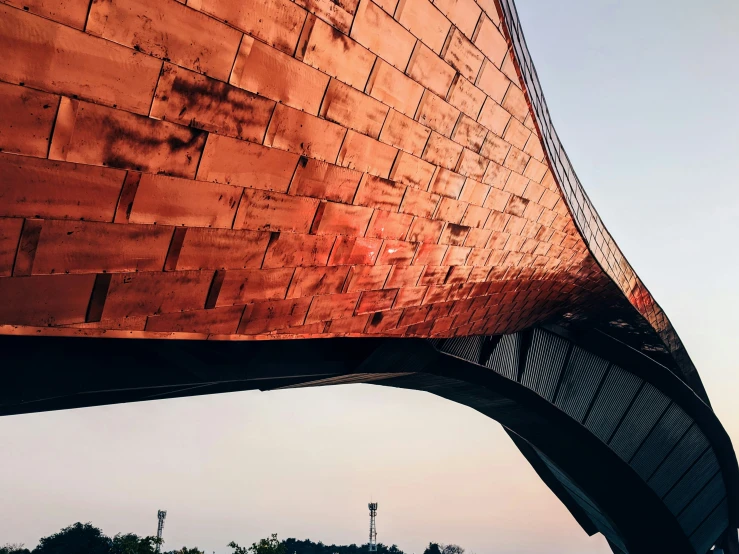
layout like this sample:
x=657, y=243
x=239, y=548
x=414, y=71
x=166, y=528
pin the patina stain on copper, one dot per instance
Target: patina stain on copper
x=304, y=165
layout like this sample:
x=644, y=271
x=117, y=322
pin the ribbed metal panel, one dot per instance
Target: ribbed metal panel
x=702, y=505
x=655, y=436
x=614, y=398
x=580, y=382
x=692, y=482
x=594, y=513
x=467, y=348
x=646, y=410
x=708, y=532
x=504, y=359
x=544, y=363
x=660, y=441
x=685, y=454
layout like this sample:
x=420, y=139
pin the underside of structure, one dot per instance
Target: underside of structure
x=201, y=196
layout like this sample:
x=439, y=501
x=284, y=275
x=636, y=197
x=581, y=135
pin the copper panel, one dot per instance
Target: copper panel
x=320, y=162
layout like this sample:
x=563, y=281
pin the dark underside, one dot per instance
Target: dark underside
x=626, y=445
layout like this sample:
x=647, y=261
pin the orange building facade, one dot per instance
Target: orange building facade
x=310, y=169
x=375, y=171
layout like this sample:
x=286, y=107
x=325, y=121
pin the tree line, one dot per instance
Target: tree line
x=84, y=538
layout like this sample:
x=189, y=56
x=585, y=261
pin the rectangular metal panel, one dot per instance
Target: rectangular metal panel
x=613, y=400
x=661, y=440
x=544, y=363
x=646, y=410
x=580, y=382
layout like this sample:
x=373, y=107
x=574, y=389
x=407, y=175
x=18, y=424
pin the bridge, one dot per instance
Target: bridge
x=203, y=196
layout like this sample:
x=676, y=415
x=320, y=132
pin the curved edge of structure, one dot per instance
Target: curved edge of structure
x=599, y=241
x=623, y=442
x=621, y=357
x=597, y=238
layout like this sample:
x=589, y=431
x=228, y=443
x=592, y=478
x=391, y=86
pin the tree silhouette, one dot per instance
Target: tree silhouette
x=436, y=548
x=77, y=538
x=272, y=545
x=14, y=549
x=451, y=549
x=83, y=538
x=133, y=544
x=296, y=546
x=432, y=548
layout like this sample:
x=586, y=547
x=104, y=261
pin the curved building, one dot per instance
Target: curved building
x=201, y=196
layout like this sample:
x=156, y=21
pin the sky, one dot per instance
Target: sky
x=644, y=97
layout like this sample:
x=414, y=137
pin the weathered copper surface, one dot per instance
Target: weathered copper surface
x=235, y=170
x=294, y=169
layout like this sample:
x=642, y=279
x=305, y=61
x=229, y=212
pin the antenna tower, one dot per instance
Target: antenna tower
x=373, y=529
x=161, y=514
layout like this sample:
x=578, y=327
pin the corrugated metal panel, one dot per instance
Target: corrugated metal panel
x=467, y=348
x=581, y=379
x=692, y=482
x=646, y=410
x=702, y=505
x=709, y=531
x=614, y=398
x=504, y=359
x=656, y=437
x=688, y=450
x=544, y=363
x=660, y=441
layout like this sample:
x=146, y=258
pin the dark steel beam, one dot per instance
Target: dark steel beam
x=84, y=372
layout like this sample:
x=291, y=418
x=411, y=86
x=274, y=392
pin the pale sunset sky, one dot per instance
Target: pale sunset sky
x=644, y=96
